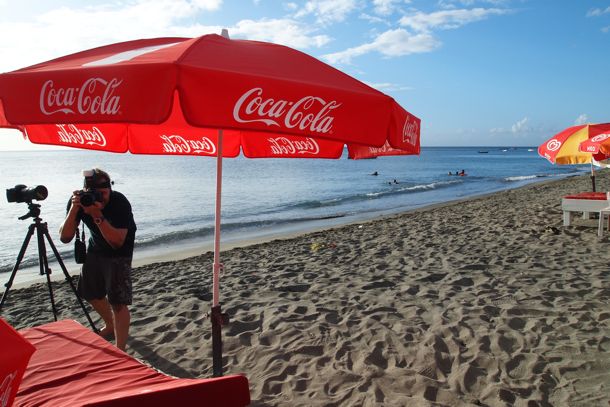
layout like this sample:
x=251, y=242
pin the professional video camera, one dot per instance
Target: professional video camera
x=21, y=193
x=89, y=196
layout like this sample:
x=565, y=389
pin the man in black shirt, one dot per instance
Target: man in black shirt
x=105, y=280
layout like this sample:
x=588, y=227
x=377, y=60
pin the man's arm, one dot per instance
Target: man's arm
x=115, y=237
x=68, y=227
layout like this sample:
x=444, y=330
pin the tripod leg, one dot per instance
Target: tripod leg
x=44, y=263
x=69, y=279
x=24, y=247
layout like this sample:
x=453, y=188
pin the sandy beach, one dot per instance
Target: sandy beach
x=483, y=302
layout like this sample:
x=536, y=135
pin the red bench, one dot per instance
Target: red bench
x=73, y=366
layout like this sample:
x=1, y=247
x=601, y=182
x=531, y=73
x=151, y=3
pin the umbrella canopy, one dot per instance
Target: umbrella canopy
x=599, y=143
x=209, y=82
x=204, y=96
x=564, y=147
x=573, y=146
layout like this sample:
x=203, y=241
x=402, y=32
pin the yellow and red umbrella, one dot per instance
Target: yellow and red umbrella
x=599, y=144
x=565, y=146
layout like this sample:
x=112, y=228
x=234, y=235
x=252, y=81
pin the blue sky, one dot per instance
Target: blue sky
x=477, y=72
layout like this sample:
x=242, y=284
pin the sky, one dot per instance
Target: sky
x=476, y=72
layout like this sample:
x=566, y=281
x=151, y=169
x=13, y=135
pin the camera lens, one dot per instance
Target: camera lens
x=86, y=199
x=21, y=193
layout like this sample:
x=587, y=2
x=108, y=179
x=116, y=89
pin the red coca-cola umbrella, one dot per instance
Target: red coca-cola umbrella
x=209, y=96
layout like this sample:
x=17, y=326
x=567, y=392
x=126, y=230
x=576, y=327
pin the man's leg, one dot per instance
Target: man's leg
x=102, y=306
x=121, y=325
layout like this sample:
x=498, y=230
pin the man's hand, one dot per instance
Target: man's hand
x=75, y=201
x=95, y=210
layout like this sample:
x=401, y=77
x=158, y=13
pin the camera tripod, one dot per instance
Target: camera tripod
x=42, y=232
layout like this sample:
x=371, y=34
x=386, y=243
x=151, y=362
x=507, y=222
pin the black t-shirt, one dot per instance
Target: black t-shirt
x=118, y=214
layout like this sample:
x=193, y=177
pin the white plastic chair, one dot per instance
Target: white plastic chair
x=602, y=220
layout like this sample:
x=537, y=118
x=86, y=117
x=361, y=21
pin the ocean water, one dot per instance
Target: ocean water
x=173, y=197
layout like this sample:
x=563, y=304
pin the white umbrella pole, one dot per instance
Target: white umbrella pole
x=218, y=319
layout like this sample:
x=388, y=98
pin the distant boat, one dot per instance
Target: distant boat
x=504, y=149
x=483, y=152
x=530, y=149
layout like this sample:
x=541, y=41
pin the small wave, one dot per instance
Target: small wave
x=413, y=188
x=395, y=190
x=522, y=178
x=208, y=231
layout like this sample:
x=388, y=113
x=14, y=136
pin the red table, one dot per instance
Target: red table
x=584, y=202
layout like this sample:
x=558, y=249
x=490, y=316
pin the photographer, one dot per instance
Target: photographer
x=105, y=280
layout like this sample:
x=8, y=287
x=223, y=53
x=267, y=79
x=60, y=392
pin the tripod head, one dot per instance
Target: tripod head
x=34, y=211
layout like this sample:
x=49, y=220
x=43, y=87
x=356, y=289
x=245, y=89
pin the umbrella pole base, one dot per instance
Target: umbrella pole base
x=593, y=182
x=218, y=320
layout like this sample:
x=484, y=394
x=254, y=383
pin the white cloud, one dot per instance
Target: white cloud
x=400, y=42
x=389, y=87
x=374, y=19
x=521, y=126
x=468, y=3
x=606, y=29
x=280, y=31
x=596, y=12
x=448, y=19
x=65, y=30
x=391, y=43
x=582, y=119
x=387, y=7
x=327, y=11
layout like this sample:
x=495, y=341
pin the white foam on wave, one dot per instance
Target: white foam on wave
x=520, y=178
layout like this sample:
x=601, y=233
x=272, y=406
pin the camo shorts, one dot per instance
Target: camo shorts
x=103, y=276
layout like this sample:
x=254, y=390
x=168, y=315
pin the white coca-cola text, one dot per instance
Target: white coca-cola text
x=410, y=130
x=284, y=146
x=6, y=387
x=177, y=144
x=310, y=113
x=386, y=148
x=95, y=96
x=70, y=134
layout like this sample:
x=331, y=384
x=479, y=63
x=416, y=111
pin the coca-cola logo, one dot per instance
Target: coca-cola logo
x=386, y=148
x=94, y=96
x=310, y=113
x=600, y=137
x=553, y=145
x=6, y=388
x=285, y=146
x=70, y=134
x=177, y=144
x=410, y=131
